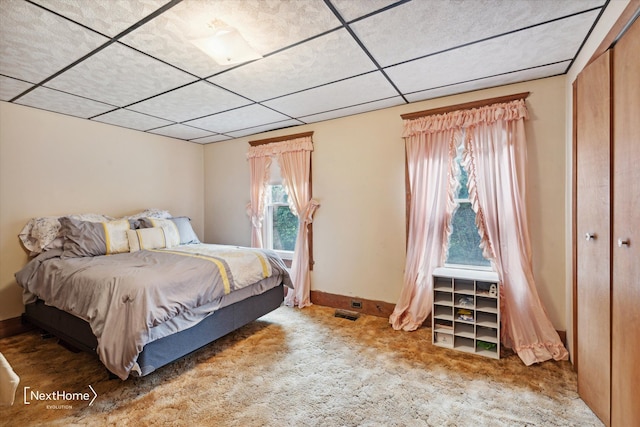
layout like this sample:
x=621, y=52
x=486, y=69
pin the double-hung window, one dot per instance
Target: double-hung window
x=280, y=228
x=464, y=242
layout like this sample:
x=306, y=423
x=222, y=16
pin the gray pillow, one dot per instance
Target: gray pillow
x=84, y=238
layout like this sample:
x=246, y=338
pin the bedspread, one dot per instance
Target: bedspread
x=125, y=296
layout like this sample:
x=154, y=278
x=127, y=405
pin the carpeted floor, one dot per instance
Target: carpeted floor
x=300, y=368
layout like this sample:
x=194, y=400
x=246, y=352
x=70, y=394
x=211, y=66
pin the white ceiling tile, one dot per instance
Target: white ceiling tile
x=239, y=118
x=266, y=25
x=350, y=9
x=357, y=109
x=424, y=27
x=181, y=132
x=534, y=47
x=195, y=100
x=333, y=57
x=10, y=88
x=35, y=43
x=60, y=102
x=501, y=80
x=120, y=76
x=108, y=17
x=264, y=128
x=211, y=139
x=357, y=90
x=131, y=120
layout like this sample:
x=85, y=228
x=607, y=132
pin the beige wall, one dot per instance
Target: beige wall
x=358, y=177
x=52, y=164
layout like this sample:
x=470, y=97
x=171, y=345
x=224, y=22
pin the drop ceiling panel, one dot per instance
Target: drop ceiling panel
x=211, y=139
x=264, y=128
x=35, y=43
x=516, y=51
x=503, y=79
x=240, y=118
x=107, y=17
x=304, y=66
x=357, y=109
x=195, y=100
x=266, y=25
x=181, y=132
x=60, y=102
x=120, y=76
x=354, y=91
x=132, y=120
x=428, y=26
x=10, y=88
x=350, y=9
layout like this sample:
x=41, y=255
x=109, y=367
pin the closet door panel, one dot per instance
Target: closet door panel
x=625, y=331
x=593, y=195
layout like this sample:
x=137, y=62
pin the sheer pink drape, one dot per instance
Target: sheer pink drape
x=296, y=168
x=294, y=157
x=430, y=158
x=495, y=157
x=258, y=177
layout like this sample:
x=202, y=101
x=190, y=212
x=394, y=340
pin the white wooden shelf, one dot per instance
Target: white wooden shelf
x=466, y=311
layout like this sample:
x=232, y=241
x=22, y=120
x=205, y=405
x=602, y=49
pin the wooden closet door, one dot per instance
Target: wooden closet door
x=625, y=330
x=593, y=276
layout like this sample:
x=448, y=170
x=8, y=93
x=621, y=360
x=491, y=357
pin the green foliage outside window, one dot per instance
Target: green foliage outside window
x=285, y=223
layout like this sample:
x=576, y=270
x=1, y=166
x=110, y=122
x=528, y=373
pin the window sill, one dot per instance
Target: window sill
x=466, y=272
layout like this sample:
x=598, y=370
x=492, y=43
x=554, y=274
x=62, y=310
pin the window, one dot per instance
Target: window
x=464, y=243
x=280, y=224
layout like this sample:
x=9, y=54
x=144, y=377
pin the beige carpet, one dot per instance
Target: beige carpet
x=301, y=368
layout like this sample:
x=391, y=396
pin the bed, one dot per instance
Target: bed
x=143, y=292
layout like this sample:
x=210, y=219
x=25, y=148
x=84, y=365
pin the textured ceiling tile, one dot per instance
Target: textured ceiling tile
x=332, y=57
x=354, y=91
x=350, y=9
x=239, y=118
x=211, y=139
x=131, y=120
x=429, y=26
x=362, y=108
x=10, y=88
x=181, y=132
x=266, y=25
x=108, y=17
x=195, y=100
x=534, y=47
x=518, y=76
x=120, y=76
x=35, y=43
x=60, y=102
x=264, y=128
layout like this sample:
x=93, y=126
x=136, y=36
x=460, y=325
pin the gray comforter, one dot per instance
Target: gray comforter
x=125, y=297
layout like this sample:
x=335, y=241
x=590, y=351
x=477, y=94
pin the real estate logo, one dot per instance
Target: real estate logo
x=59, y=399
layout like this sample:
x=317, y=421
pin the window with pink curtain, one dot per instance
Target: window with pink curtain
x=495, y=159
x=294, y=157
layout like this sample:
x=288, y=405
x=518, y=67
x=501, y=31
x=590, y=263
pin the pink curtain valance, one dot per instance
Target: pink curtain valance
x=508, y=111
x=269, y=150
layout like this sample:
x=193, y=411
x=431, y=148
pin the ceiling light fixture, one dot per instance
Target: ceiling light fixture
x=226, y=46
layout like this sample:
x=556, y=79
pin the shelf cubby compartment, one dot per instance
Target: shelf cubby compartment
x=463, y=286
x=484, y=333
x=443, y=339
x=487, y=304
x=443, y=312
x=442, y=284
x=443, y=298
x=464, y=330
x=464, y=301
x=464, y=344
x=489, y=320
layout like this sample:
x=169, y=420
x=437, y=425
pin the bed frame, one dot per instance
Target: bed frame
x=77, y=332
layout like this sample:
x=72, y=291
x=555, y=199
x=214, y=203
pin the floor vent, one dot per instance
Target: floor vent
x=346, y=314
